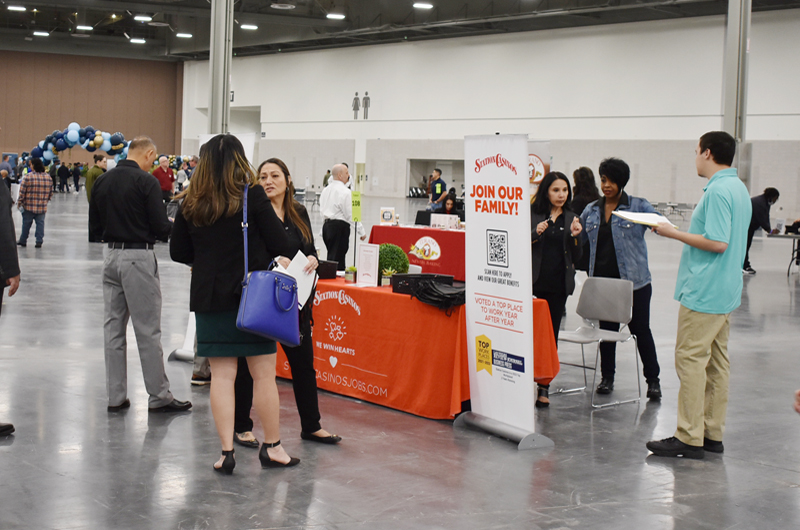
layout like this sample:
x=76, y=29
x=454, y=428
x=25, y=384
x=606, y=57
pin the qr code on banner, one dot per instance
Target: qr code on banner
x=497, y=248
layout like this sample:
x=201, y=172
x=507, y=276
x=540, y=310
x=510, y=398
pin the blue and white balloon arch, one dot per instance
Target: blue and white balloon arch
x=89, y=138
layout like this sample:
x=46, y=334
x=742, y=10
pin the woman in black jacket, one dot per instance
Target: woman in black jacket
x=554, y=251
x=274, y=177
x=208, y=235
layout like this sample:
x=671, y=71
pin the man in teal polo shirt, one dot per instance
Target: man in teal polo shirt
x=709, y=288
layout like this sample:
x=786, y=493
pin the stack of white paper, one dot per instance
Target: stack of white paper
x=305, y=282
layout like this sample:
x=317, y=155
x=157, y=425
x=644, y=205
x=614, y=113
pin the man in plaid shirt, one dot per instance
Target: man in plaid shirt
x=35, y=191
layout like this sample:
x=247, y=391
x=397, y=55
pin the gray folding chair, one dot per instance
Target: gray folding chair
x=610, y=300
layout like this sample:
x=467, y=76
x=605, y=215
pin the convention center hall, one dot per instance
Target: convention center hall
x=347, y=264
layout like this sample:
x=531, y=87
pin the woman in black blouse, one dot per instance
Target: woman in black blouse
x=554, y=251
x=274, y=177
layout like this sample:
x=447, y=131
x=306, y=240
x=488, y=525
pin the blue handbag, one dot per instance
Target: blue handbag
x=268, y=306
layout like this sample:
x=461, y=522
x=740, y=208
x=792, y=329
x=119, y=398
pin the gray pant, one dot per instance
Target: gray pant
x=132, y=289
x=202, y=368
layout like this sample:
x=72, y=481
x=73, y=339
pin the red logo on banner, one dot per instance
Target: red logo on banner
x=498, y=160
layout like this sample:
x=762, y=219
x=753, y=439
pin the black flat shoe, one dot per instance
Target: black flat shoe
x=330, y=440
x=713, y=446
x=173, y=406
x=122, y=406
x=266, y=461
x=6, y=429
x=542, y=392
x=606, y=386
x=228, y=464
x=674, y=448
x=252, y=444
x=654, y=390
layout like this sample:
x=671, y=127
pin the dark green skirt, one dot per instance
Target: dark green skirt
x=218, y=336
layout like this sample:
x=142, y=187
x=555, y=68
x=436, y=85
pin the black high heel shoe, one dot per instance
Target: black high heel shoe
x=542, y=392
x=266, y=461
x=228, y=464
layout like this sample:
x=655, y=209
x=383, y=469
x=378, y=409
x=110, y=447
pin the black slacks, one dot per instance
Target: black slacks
x=639, y=326
x=750, y=233
x=304, y=382
x=336, y=235
x=556, y=302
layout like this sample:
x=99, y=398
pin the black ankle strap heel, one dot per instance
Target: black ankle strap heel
x=266, y=461
x=542, y=392
x=228, y=464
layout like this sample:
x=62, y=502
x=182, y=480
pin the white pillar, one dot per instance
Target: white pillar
x=220, y=53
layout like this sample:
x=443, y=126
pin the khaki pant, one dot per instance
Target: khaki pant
x=701, y=360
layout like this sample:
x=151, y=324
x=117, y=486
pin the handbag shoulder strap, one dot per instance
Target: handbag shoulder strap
x=244, y=231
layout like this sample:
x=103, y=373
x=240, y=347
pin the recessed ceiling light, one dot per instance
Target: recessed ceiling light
x=423, y=5
x=184, y=35
x=248, y=26
x=282, y=5
x=41, y=34
x=138, y=41
x=16, y=8
x=84, y=28
x=335, y=16
x=158, y=24
x=143, y=18
x=113, y=16
x=34, y=10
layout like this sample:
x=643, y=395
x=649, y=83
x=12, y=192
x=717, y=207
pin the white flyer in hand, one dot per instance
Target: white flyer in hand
x=644, y=218
x=305, y=282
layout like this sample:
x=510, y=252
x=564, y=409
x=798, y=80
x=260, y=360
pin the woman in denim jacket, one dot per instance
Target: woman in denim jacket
x=617, y=250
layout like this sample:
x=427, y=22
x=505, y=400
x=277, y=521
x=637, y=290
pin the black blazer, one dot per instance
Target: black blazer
x=9, y=263
x=760, y=214
x=307, y=247
x=216, y=252
x=572, y=249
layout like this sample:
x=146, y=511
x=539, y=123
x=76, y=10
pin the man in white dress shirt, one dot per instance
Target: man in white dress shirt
x=336, y=204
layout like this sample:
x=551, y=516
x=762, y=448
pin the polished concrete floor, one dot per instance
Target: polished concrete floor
x=72, y=465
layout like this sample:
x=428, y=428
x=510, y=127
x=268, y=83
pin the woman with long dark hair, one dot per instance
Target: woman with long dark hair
x=208, y=235
x=585, y=190
x=274, y=177
x=554, y=250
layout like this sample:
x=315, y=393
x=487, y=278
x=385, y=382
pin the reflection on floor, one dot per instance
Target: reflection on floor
x=72, y=465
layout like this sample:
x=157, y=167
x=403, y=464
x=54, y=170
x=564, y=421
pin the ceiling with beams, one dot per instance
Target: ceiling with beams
x=179, y=29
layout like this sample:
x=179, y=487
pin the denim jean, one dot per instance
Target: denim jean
x=28, y=217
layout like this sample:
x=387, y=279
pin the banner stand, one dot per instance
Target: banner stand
x=186, y=353
x=526, y=440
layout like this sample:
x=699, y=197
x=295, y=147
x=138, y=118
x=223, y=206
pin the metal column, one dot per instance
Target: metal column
x=221, y=50
x=734, y=91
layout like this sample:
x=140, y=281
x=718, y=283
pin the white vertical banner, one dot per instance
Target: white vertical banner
x=498, y=280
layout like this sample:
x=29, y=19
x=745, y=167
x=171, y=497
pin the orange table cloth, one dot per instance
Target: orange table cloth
x=392, y=350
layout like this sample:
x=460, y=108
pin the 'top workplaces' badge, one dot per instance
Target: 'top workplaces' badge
x=483, y=354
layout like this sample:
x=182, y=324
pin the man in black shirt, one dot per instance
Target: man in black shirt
x=76, y=176
x=760, y=219
x=64, y=173
x=126, y=212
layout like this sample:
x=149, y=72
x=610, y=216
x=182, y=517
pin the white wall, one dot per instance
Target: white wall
x=644, y=81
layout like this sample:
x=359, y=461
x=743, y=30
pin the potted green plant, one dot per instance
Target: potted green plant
x=391, y=258
x=350, y=274
x=386, y=277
